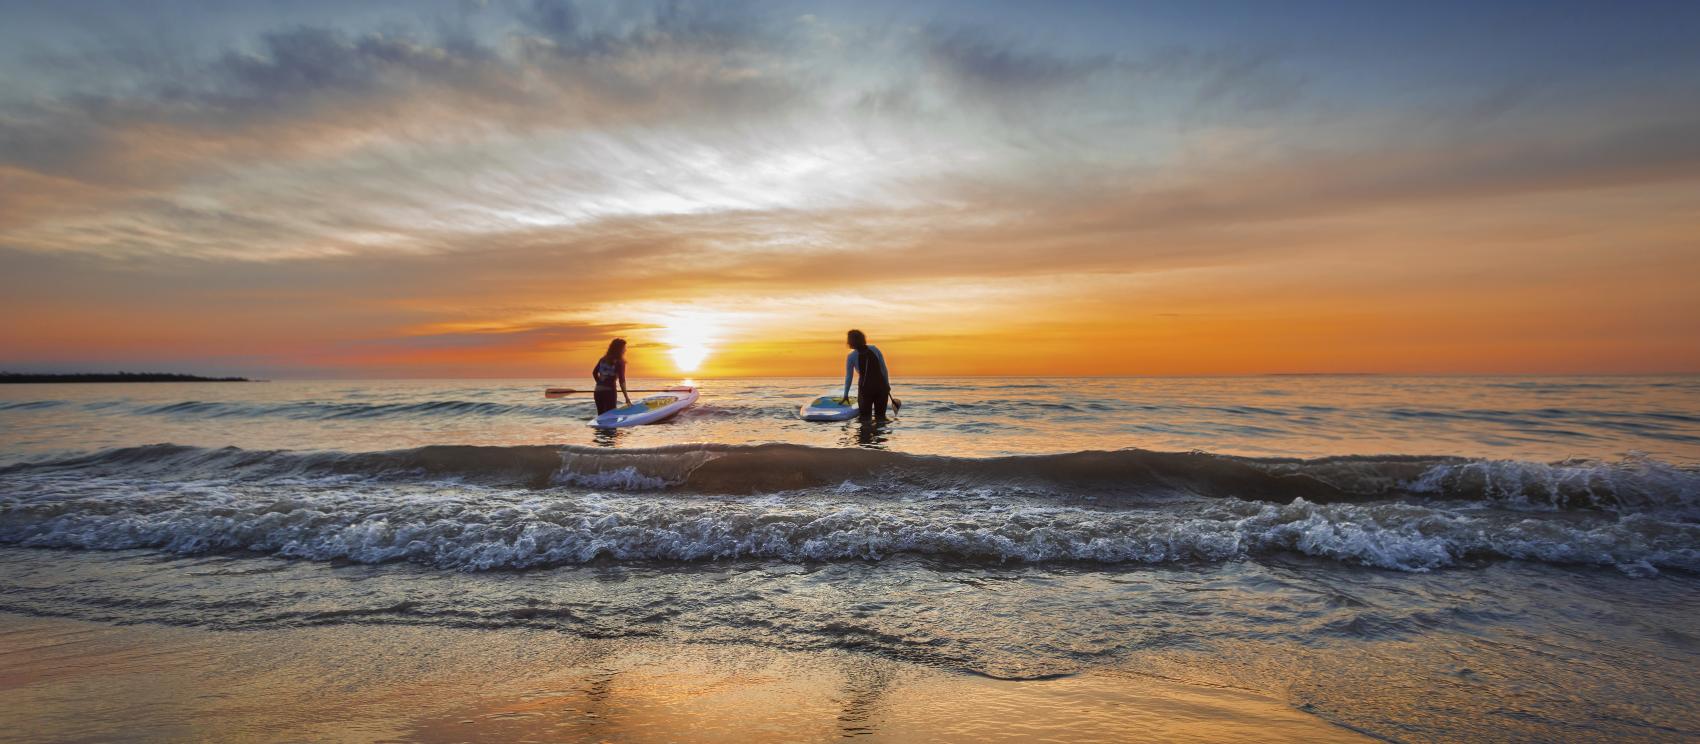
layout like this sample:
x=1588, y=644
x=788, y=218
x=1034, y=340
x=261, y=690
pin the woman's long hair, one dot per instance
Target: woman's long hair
x=616, y=349
x=857, y=340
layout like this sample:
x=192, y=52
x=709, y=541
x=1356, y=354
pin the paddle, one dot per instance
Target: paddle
x=561, y=392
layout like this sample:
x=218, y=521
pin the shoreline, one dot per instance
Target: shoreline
x=76, y=679
x=121, y=377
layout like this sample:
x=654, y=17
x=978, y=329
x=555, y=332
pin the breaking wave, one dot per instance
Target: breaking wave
x=469, y=530
x=527, y=507
x=482, y=508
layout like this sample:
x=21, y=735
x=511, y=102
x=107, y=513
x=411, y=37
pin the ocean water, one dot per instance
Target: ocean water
x=1411, y=558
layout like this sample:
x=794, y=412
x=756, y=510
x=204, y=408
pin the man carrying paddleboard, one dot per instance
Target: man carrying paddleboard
x=874, y=387
x=611, y=370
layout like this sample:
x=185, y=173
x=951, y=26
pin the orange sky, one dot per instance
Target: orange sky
x=296, y=193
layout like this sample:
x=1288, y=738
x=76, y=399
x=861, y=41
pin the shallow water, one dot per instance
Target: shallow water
x=1525, y=418
x=1414, y=558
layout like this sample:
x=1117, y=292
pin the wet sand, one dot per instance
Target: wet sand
x=70, y=680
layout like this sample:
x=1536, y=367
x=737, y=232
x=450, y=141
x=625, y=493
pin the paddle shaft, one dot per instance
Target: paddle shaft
x=558, y=392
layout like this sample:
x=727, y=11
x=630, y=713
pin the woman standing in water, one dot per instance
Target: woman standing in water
x=875, y=384
x=611, y=370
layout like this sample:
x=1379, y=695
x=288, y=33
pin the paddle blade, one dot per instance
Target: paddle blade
x=558, y=392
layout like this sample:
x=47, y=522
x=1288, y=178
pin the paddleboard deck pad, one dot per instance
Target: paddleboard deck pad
x=650, y=410
x=827, y=408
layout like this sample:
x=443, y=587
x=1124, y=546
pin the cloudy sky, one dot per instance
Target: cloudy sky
x=496, y=188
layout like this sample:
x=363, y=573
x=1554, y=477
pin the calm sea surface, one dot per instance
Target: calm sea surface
x=1415, y=558
x=1536, y=419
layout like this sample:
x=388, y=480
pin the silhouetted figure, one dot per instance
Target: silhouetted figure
x=611, y=371
x=867, y=365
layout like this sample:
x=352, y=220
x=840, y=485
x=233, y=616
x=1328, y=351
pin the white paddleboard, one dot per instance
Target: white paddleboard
x=650, y=410
x=827, y=408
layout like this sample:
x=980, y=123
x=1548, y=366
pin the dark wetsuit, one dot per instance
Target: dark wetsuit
x=873, y=385
x=608, y=375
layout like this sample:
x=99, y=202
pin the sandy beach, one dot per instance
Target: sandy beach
x=67, y=680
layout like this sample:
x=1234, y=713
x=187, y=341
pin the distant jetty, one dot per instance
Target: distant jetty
x=18, y=378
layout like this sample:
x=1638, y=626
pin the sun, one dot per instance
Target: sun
x=690, y=338
x=689, y=358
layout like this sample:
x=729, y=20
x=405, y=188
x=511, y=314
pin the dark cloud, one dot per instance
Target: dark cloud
x=298, y=64
x=301, y=76
x=553, y=19
x=296, y=87
x=1231, y=79
x=988, y=67
x=571, y=32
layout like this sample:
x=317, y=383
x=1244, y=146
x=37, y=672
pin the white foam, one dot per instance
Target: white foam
x=481, y=528
x=1636, y=483
x=624, y=479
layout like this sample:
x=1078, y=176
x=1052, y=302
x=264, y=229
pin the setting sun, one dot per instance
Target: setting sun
x=689, y=337
x=689, y=358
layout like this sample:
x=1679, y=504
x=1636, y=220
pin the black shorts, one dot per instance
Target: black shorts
x=606, y=400
x=871, y=402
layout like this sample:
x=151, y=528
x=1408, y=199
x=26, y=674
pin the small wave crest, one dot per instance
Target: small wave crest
x=1637, y=484
x=29, y=405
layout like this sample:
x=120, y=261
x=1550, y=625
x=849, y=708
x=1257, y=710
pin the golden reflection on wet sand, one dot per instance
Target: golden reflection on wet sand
x=75, y=680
